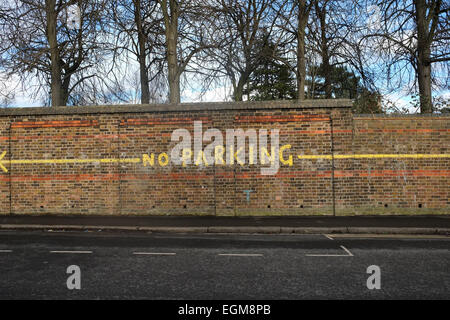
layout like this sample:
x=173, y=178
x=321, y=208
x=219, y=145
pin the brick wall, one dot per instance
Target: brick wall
x=90, y=160
x=401, y=183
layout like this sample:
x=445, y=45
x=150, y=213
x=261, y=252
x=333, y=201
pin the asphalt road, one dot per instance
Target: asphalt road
x=33, y=265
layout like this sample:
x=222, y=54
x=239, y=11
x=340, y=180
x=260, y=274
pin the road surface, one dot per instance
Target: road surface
x=33, y=265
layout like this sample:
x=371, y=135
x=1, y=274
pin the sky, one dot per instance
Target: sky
x=192, y=93
x=217, y=94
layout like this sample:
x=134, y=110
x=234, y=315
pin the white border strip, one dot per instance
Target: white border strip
x=241, y=254
x=66, y=251
x=155, y=253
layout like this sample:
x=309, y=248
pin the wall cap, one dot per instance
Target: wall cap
x=210, y=106
x=396, y=116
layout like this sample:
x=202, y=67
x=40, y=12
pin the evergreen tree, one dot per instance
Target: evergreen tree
x=344, y=85
x=271, y=80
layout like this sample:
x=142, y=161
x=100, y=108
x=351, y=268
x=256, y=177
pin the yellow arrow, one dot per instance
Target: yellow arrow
x=1, y=164
x=54, y=161
x=301, y=157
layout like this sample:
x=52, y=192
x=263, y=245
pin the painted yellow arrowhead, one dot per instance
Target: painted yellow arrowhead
x=1, y=163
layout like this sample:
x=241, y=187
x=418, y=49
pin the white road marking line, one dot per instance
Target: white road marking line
x=349, y=254
x=70, y=251
x=346, y=250
x=327, y=255
x=241, y=254
x=156, y=253
x=327, y=236
x=5, y=251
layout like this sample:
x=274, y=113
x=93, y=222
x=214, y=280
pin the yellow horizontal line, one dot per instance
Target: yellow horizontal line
x=369, y=156
x=375, y=156
x=306, y=157
x=315, y=157
x=302, y=157
x=54, y=161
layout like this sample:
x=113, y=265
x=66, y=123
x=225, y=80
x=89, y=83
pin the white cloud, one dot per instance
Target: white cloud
x=218, y=94
x=400, y=101
x=14, y=94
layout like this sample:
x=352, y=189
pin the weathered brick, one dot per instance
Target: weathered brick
x=324, y=128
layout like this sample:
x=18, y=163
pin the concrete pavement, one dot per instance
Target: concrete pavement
x=437, y=224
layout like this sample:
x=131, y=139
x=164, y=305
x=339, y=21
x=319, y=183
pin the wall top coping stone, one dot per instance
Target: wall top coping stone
x=396, y=116
x=209, y=106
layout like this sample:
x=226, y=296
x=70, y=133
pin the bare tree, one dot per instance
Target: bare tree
x=186, y=25
x=303, y=11
x=37, y=39
x=294, y=22
x=414, y=33
x=433, y=27
x=137, y=30
x=329, y=29
x=244, y=24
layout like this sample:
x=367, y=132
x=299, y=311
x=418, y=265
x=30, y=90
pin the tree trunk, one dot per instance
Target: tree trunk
x=239, y=92
x=57, y=94
x=171, y=31
x=174, y=87
x=174, y=77
x=303, y=14
x=145, y=90
x=65, y=89
x=424, y=57
x=326, y=67
x=327, y=74
x=424, y=78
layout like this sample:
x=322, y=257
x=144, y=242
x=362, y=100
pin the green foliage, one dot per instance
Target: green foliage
x=272, y=79
x=367, y=102
x=344, y=85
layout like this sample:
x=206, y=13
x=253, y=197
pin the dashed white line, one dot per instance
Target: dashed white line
x=5, y=251
x=65, y=251
x=155, y=253
x=241, y=254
